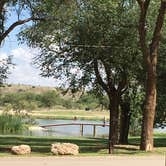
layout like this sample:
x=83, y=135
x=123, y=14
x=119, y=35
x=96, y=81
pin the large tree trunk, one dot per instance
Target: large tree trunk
x=150, y=107
x=150, y=53
x=124, y=122
x=114, y=119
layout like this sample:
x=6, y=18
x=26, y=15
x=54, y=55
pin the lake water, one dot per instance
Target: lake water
x=72, y=130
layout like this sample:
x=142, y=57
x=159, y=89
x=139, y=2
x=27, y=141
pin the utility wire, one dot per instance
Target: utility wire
x=92, y=46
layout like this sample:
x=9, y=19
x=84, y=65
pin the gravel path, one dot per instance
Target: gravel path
x=83, y=161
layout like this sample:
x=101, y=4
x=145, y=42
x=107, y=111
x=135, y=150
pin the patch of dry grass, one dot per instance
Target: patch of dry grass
x=70, y=114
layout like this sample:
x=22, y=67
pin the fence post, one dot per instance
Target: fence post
x=94, y=130
x=82, y=129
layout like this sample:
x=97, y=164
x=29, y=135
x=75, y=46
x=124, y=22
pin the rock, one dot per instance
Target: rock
x=22, y=149
x=31, y=128
x=24, y=112
x=64, y=149
x=10, y=112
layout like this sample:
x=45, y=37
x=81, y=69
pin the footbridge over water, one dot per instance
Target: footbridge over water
x=78, y=124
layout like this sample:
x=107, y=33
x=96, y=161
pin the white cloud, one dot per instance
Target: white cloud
x=24, y=72
x=3, y=56
x=24, y=54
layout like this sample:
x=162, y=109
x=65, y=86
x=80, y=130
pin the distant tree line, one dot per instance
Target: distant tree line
x=50, y=99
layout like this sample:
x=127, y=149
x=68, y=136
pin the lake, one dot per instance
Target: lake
x=73, y=130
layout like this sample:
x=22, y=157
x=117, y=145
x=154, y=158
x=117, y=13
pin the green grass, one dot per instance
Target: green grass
x=70, y=114
x=11, y=124
x=88, y=146
x=42, y=145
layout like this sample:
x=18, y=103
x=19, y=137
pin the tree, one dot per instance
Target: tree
x=25, y=11
x=98, y=44
x=160, y=119
x=149, y=50
x=4, y=69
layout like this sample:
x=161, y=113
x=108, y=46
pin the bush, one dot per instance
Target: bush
x=20, y=101
x=31, y=101
x=67, y=103
x=50, y=99
x=89, y=101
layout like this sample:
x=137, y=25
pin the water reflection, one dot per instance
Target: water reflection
x=72, y=130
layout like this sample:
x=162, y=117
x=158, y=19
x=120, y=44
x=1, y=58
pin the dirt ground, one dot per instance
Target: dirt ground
x=83, y=161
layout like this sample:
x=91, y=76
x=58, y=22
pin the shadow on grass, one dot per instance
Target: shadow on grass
x=44, y=144
x=87, y=145
x=158, y=142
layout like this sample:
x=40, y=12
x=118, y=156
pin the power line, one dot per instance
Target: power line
x=92, y=46
x=88, y=46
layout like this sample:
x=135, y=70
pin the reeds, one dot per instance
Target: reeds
x=11, y=124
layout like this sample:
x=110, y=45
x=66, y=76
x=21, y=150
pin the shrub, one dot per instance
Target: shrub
x=31, y=101
x=50, y=99
x=19, y=101
x=67, y=103
x=89, y=101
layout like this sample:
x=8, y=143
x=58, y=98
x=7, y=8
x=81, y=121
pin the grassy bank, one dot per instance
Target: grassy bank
x=70, y=114
x=88, y=146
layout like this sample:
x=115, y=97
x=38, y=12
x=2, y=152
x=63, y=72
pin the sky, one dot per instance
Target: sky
x=23, y=72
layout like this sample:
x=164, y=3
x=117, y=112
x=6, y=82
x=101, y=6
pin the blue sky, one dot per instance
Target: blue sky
x=23, y=72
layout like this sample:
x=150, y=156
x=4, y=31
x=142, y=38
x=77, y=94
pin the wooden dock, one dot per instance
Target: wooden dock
x=78, y=124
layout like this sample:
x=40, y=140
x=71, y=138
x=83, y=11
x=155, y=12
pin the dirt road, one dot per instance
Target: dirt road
x=83, y=161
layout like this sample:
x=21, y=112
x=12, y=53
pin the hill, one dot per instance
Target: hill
x=33, y=97
x=14, y=88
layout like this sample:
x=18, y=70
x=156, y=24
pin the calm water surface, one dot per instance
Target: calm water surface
x=73, y=130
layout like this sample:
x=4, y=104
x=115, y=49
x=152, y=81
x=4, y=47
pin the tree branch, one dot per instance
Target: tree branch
x=142, y=24
x=158, y=27
x=140, y=3
x=146, y=4
x=99, y=78
x=2, y=3
x=109, y=79
x=122, y=87
x=14, y=25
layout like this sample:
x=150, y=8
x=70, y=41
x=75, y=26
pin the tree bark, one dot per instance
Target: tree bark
x=124, y=122
x=114, y=95
x=150, y=54
x=149, y=108
x=114, y=119
x=2, y=3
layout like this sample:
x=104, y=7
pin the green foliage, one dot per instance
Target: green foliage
x=19, y=101
x=79, y=32
x=4, y=69
x=160, y=118
x=11, y=124
x=50, y=99
x=68, y=103
x=90, y=101
x=135, y=97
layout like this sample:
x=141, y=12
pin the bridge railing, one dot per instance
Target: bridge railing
x=78, y=124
